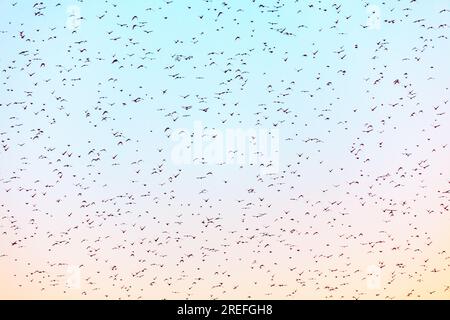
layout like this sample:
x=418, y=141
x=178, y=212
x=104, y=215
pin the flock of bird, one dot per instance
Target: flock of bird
x=93, y=205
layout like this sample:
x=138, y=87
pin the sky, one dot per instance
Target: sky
x=224, y=149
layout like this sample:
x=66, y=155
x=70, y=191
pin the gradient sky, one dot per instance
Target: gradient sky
x=90, y=107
